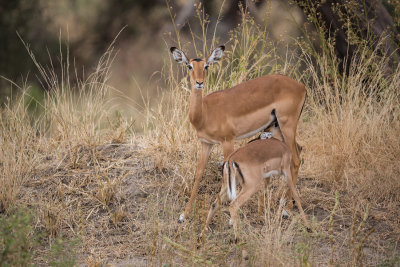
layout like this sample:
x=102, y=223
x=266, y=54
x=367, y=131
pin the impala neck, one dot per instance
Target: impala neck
x=196, y=107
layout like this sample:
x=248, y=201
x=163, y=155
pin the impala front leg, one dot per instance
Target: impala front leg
x=205, y=150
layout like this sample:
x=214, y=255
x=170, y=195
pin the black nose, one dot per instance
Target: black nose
x=199, y=83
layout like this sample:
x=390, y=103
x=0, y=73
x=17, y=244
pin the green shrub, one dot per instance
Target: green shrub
x=16, y=239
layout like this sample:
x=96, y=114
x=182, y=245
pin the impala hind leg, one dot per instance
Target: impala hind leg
x=288, y=129
x=201, y=164
x=289, y=181
x=244, y=195
x=294, y=169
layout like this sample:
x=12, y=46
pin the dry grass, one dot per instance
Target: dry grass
x=86, y=177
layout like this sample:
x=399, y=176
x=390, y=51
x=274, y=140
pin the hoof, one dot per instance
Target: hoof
x=181, y=218
x=309, y=229
x=285, y=215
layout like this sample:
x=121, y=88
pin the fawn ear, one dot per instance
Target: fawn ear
x=216, y=54
x=179, y=56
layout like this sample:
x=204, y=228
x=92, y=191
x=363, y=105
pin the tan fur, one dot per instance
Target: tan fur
x=223, y=116
x=254, y=160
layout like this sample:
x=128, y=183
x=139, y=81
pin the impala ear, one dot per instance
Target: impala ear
x=179, y=56
x=216, y=54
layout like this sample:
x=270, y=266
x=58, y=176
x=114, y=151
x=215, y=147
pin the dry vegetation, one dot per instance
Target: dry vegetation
x=85, y=176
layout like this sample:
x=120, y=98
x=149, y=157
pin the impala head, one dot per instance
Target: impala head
x=197, y=67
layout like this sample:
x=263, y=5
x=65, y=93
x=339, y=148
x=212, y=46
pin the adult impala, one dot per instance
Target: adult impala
x=240, y=112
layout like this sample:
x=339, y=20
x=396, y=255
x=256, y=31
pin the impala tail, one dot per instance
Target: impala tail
x=230, y=173
x=226, y=174
x=231, y=181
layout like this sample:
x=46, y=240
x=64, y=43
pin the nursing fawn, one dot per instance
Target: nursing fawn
x=249, y=166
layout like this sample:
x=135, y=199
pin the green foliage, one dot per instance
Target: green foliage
x=19, y=242
x=304, y=253
x=395, y=262
x=16, y=238
x=62, y=252
x=34, y=100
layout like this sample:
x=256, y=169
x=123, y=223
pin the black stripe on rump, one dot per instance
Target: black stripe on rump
x=229, y=177
x=240, y=171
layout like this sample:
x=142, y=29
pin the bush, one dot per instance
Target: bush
x=16, y=240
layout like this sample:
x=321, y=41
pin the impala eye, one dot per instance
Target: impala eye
x=206, y=67
x=190, y=67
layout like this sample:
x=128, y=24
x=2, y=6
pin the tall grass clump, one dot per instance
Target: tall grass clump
x=19, y=147
x=350, y=131
x=75, y=105
x=43, y=153
x=353, y=121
